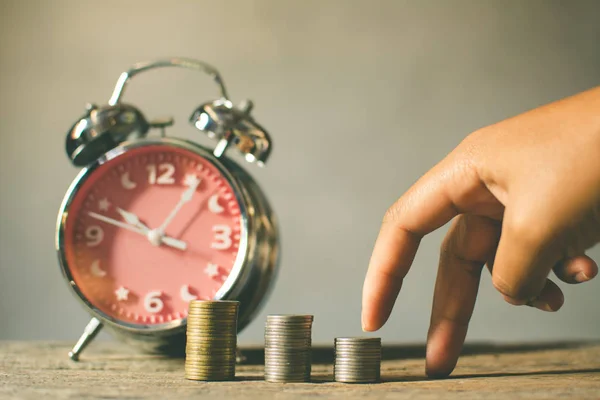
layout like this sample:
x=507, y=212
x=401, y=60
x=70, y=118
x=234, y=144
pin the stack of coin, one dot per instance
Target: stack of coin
x=211, y=340
x=357, y=360
x=288, y=346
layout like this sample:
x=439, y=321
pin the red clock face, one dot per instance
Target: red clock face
x=151, y=230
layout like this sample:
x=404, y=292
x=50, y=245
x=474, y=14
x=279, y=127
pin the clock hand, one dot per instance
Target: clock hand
x=134, y=220
x=169, y=241
x=186, y=196
x=176, y=243
x=115, y=222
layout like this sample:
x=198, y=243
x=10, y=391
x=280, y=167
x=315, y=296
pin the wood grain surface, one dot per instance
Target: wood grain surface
x=108, y=370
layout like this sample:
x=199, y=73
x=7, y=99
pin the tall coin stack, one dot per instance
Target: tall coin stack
x=288, y=346
x=211, y=340
x=357, y=360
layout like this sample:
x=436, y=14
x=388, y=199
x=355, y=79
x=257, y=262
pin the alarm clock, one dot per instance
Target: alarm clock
x=152, y=222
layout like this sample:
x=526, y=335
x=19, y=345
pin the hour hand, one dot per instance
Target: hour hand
x=172, y=242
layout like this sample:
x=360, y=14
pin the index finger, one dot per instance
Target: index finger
x=425, y=207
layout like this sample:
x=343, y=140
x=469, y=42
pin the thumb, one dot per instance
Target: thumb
x=525, y=256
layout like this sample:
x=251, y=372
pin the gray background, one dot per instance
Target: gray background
x=361, y=99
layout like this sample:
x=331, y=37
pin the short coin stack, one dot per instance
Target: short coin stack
x=211, y=340
x=357, y=360
x=288, y=346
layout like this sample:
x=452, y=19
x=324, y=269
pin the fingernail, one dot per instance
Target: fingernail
x=581, y=277
x=542, y=305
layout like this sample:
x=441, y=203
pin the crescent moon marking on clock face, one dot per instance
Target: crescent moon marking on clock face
x=96, y=270
x=126, y=181
x=213, y=204
x=185, y=294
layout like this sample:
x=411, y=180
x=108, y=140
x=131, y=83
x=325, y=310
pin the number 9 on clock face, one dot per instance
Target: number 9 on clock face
x=147, y=230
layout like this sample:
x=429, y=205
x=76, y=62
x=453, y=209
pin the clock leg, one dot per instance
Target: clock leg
x=240, y=358
x=89, y=333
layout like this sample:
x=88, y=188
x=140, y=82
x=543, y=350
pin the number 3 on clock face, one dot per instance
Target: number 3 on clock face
x=222, y=237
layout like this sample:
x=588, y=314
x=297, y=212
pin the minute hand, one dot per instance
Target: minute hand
x=133, y=220
x=115, y=222
x=185, y=197
x=166, y=240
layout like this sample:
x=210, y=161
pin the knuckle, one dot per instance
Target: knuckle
x=391, y=214
x=394, y=212
x=514, y=292
x=528, y=232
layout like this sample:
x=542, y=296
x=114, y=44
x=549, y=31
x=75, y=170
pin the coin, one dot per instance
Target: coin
x=357, y=360
x=288, y=347
x=211, y=340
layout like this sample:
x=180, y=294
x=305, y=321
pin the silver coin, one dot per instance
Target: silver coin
x=286, y=370
x=290, y=317
x=361, y=357
x=277, y=330
x=291, y=323
x=366, y=363
x=357, y=346
x=286, y=379
x=210, y=367
x=355, y=351
x=288, y=328
x=357, y=372
x=348, y=347
x=358, y=339
x=340, y=376
x=288, y=375
x=209, y=378
x=357, y=367
x=283, y=356
x=287, y=350
x=283, y=339
x=287, y=358
x=284, y=364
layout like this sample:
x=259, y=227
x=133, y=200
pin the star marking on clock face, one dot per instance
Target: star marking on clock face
x=122, y=293
x=191, y=180
x=212, y=270
x=103, y=204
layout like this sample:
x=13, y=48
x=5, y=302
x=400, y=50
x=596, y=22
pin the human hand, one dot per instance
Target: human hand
x=525, y=198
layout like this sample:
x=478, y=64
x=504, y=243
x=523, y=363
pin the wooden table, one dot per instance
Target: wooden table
x=108, y=370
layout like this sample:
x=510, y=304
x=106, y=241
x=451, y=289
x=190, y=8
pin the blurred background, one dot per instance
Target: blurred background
x=361, y=98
